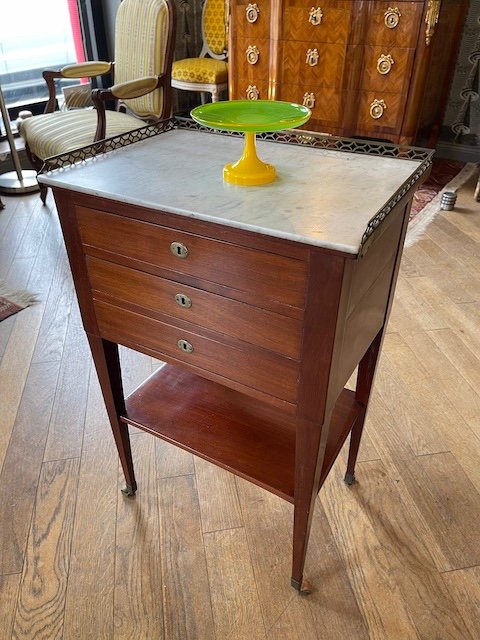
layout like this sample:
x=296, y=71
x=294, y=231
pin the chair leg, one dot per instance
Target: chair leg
x=477, y=191
x=37, y=164
x=43, y=193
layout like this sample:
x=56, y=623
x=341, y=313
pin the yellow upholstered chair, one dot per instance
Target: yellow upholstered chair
x=209, y=72
x=144, y=45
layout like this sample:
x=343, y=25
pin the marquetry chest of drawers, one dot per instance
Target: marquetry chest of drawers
x=261, y=301
x=376, y=69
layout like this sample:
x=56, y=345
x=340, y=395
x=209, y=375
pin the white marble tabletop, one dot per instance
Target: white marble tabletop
x=320, y=197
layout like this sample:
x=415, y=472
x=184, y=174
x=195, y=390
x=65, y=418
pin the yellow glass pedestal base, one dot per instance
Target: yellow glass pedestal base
x=249, y=170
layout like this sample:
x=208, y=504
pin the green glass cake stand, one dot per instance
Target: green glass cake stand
x=250, y=117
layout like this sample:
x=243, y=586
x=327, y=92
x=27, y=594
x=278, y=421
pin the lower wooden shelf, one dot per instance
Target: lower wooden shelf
x=245, y=436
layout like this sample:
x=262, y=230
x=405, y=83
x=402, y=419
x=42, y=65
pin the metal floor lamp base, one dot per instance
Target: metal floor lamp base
x=18, y=181
x=10, y=183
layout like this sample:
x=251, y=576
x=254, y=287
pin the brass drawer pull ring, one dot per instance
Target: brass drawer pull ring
x=384, y=64
x=312, y=57
x=179, y=249
x=185, y=346
x=309, y=100
x=377, y=108
x=315, y=16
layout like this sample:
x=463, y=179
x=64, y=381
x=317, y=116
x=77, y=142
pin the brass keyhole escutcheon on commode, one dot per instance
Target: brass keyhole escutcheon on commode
x=252, y=92
x=392, y=17
x=185, y=346
x=179, y=250
x=253, y=54
x=183, y=300
x=252, y=12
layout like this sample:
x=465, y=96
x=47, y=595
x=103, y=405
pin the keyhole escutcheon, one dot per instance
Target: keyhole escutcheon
x=179, y=250
x=183, y=300
x=185, y=346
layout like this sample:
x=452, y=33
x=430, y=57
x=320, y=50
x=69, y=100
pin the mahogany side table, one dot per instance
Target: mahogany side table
x=261, y=301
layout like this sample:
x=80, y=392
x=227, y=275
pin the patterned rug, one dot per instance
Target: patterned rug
x=13, y=301
x=446, y=175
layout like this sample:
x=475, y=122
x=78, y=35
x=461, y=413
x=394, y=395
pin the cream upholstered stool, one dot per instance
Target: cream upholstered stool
x=209, y=72
x=144, y=43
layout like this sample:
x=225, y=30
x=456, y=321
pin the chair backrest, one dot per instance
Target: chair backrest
x=144, y=44
x=214, y=27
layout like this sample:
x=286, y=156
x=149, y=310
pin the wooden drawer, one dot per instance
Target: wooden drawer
x=391, y=118
x=251, y=19
x=407, y=15
x=324, y=103
x=326, y=21
x=327, y=70
x=252, y=367
x=395, y=63
x=216, y=313
x=220, y=262
x=257, y=50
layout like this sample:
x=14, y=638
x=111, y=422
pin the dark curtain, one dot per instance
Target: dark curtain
x=463, y=108
x=94, y=35
x=188, y=44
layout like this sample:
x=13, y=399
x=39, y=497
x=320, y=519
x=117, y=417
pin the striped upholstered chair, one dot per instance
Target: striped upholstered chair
x=144, y=44
x=209, y=72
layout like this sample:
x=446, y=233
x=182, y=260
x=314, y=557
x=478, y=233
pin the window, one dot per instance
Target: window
x=35, y=36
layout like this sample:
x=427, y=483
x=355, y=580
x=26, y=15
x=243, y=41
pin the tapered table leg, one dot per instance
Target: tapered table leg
x=309, y=453
x=107, y=364
x=365, y=377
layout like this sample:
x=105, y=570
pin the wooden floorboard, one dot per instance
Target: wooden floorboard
x=233, y=590
x=41, y=600
x=186, y=593
x=138, y=607
x=268, y=522
x=89, y=601
x=22, y=465
x=201, y=555
x=410, y=564
x=9, y=585
x=223, y=512
x=464, y=587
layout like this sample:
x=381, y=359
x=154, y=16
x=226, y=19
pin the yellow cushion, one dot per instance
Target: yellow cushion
x=78, y=96
x=201, y=70
x=53, y=133
x=214, y=29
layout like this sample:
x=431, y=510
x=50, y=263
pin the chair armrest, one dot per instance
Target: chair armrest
x=121, y=91
x=80, y=70
x=134, y=88
x=86, y=69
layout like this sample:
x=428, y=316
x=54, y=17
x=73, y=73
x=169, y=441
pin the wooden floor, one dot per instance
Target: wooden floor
x=201, y=555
